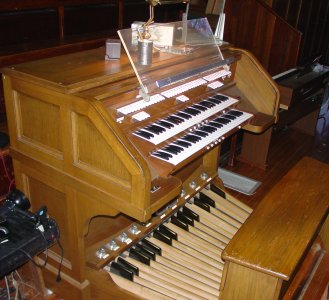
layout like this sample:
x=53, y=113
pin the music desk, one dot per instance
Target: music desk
x=266, y=253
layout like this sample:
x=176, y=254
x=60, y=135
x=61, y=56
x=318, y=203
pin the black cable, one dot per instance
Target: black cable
x=58, y=278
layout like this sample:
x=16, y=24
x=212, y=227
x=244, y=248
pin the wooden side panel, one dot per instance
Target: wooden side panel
x=75, y=138
x=255, y=148
x=256, y=90
x=93, y=153
x=251, y=284
x=38, y=123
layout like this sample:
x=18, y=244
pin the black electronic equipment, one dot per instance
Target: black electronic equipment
x=23, y=234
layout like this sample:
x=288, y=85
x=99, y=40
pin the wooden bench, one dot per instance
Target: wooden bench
x=283, y=246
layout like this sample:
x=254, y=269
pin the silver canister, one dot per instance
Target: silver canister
x=145, y=49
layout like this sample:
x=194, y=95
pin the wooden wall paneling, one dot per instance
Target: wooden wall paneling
x=293, y=12
x=61, y=21
x=322, y=42
x=285, y=48
x=313, y=22
x=263, y=35
x=281, y=7
x=135, y=11
x=236, y=31
x=23, y=26
x=255, y=27
x=315, y=28
x=92, y=18
x=303, y=25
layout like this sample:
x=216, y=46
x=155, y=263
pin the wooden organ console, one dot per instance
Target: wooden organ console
x=133, y=183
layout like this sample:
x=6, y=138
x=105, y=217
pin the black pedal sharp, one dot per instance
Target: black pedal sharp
x=138, y=255
x=149, y=253
x=128, y=265
x=201, y=204
x=218, y=191
x=147, y=244
x=207, y=199
x=179, y=223
x=161, y=237
x=118, y=269
x=184, y=218
x=168, y=232
x=191, y=214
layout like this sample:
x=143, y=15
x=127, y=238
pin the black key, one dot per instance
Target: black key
x=121, y=271
x=184, y=218
x=199, y=107
x=168, y=232
x=215, y=124
x=191, y=214
x=179, y=223
x=155, y=129
x=170, y=150
x=220, y=97
x=144, y=134
x=222, y=121
x=191, y=138
x=208, y=129
x=174, y=119
x=165, y=124
x=163, y=155
x=161, y=237
x=136, y=254
x=192, y=111
x=173, y=149
x=182, y=143
x=128, y=265
x=235, y=113
x=149, y=253
x=214, y=100
x=207, y=199
x=200, y=133
x=183, y=115
x=207, y=103
x=149, y=245
x=231, y=117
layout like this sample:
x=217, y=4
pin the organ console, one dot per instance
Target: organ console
x=125, y=157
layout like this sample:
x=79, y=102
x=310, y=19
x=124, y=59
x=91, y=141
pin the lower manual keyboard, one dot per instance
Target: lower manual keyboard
x=202, y=137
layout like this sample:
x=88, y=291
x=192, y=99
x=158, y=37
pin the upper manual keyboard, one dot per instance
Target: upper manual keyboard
x=179, y=121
